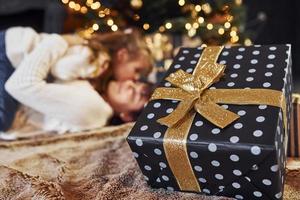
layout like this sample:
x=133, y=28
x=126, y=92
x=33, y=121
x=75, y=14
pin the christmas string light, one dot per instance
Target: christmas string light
x=206, y=8
x=197, y=8
x=220, y=21
x=221, y=31
x=200, y=20
x=110, y=22
x=188, y=26
x=209, y=26
x=101, y=14
x=136, y=3
x=168, y=25
x=72, y=4
x=83, y=10
x=181, y=2
x=234, y=39
x=192, y=32
x=161, y=29
x=232, y=33
x=114, y=27
x=146, y=26
x=77, y=7
x=96, y=5
x=89, y=3
x=238, y=2
x=227, y=25
x=195, y=25
x=247, y=42
x=95, y=27
x=65, y=1
x=136, y=17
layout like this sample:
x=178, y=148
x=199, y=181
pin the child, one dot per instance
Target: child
x=124, y=55
x=72, y=105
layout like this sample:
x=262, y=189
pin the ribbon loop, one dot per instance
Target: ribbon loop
x=210, y=73
x=206, y=73
x=186, y=81
x=170, y=94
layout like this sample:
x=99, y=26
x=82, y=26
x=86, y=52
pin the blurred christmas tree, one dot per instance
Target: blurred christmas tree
x=212, y=21
x=167, y=24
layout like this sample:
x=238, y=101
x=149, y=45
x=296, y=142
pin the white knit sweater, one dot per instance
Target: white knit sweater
x=66, y=106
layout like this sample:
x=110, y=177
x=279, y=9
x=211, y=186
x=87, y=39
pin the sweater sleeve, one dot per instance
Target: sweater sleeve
x=19, y=42
x=64, y=102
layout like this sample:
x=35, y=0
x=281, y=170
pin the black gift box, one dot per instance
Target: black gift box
x=245, y=160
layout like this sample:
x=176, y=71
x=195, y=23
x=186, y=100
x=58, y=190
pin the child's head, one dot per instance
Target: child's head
x=130, y=57
x=127, y=98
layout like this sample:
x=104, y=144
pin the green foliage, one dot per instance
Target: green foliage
x=183, y=18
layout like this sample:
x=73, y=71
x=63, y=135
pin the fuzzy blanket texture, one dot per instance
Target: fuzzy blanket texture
x=90, y=165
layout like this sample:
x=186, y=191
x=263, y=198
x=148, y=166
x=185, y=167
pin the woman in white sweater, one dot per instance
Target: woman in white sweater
x=72, y=103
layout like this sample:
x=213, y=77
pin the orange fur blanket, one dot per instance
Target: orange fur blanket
x=90, y=165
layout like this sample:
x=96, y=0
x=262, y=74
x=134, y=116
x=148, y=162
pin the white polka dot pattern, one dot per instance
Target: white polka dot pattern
x=156, y=105
x=143, y=128
x=215, y=163
x=157, y=151
x=239, y=196
x=241, y=113
x=194, y=137
x=150, y=115
x=255, y=150
x=257, y=133
x=234, y=139
x=215, y=154
x=169, y=110
x=177, y=66
x=215, y=131
x=157, y=135
x=202, y=180
x=212, y=147
x=225, y=53
x=194, y=154
x=139, y=142
x=198, y=123
x=252, y=70
x=234, y=75
x=189, y=70
x=236, y=185
x=219, y=176
x=237, y=172
x=181, y=58
x=257, y=194
x=136, y=155
x=236, y=66
x=234, y=158
x=198, y=168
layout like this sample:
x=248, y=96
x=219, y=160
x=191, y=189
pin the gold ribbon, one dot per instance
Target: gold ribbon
x=194, y=96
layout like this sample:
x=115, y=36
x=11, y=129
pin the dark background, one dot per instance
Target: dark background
x=281, y=25
x=269, y=21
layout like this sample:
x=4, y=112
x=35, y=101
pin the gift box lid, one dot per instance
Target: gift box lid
x=246, y=67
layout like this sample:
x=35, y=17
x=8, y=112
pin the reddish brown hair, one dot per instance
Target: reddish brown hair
x=110, y=43
x=129, y=39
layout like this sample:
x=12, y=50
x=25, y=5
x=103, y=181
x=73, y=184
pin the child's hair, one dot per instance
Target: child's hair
x=129, y=39
x=110, y=43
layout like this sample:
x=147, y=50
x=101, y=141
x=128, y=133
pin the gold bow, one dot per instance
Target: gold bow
x=194, y=96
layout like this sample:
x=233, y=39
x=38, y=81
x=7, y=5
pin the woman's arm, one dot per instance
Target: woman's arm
x=68, y=103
